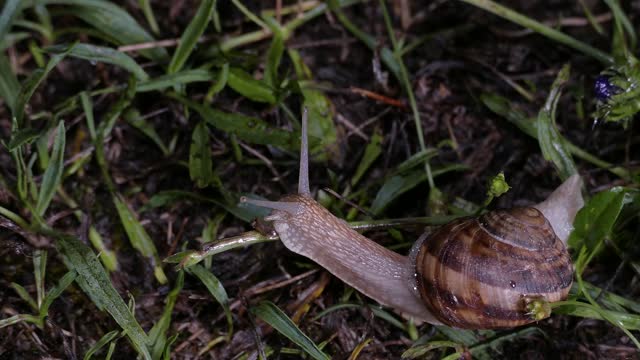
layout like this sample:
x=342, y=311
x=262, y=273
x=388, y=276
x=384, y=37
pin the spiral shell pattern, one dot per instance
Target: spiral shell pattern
x=480, y=272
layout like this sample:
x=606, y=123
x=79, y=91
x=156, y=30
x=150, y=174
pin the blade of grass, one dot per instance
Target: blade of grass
x=30, y=85
x=24, y=295
x=9, y=85
x=247, y=128
x=23, y=136
x=55, y=293
x=113, y=21
x=148, y=14
x=104, y=340
x=53, y=174
x=244, y=84
x=10, y=11
x=540, y=28
x=101, y=54
x=321, y=125
x=139, y=237
x=39, y=272
x=191, y=35
x=95, y=282
x=272, y=315
x=502, y=107
x=183, y=77
x=552, y=144
x=371, y=153
x=158, y=333
x=594, y=223
x=216, y=290
x=200, y=164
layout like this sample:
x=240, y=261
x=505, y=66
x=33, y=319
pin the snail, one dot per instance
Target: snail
x=475, y=273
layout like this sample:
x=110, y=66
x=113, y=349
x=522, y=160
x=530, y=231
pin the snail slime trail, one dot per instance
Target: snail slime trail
x=475, y=273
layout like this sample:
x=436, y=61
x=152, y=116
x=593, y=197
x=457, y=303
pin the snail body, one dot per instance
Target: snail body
x=476, y=273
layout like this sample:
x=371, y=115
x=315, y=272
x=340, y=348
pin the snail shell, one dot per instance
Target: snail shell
x=480, y=272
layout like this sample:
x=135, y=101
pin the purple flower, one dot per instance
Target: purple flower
x=604, y=89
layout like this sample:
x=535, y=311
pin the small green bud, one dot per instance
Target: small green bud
x=498, y=186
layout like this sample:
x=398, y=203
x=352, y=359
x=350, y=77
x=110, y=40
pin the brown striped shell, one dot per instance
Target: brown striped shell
x=480, y=272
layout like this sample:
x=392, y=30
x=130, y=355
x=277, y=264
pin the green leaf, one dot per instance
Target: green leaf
x=247, y=128
x=21, y=137
x=18, y=318
x=55, y=292
x=272, y=315
x=595, y=222
x=552, y=144
x=30, y=85
x=139, y=237
x=321, y=124
x=158, y=333
x=53, y=174
x=104, y=340
x=95, y=282
x=216, y=289
x=101, y=54
x=24, y=295
x=10, y=11
x=371, y=153
x=220, y=83
x=112, y=20
x=9, y=85
x=399, y=184
x=200, y=164
x=274, y=55
x=136, y=120
x=244, y=84
x=183, y=77
x=190, y=37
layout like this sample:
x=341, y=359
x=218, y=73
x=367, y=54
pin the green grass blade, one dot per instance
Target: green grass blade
x=191, y=35
x=216, y=289
x=158, y=333
x=23, y=136
x=247, y=128
x=9, y=85
x=18, y=318
x=10, y=11
x=594, y=223
x=102, y=54
x=183, y=77
x=136, y=120
x=148, y=14
x=552, y=144
x=200, y=163
x=24, y=295
x=30, y=85
x=321, y=125
x=53, y=174
x=274, y=55
x=540, y=28
x=139, y=237
x=55, y=292
x=371, y=153
x=244, y=84
x=39, y=272
x=95, y=282
x=272, y=315
x=104, y=340
x=112, y=20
